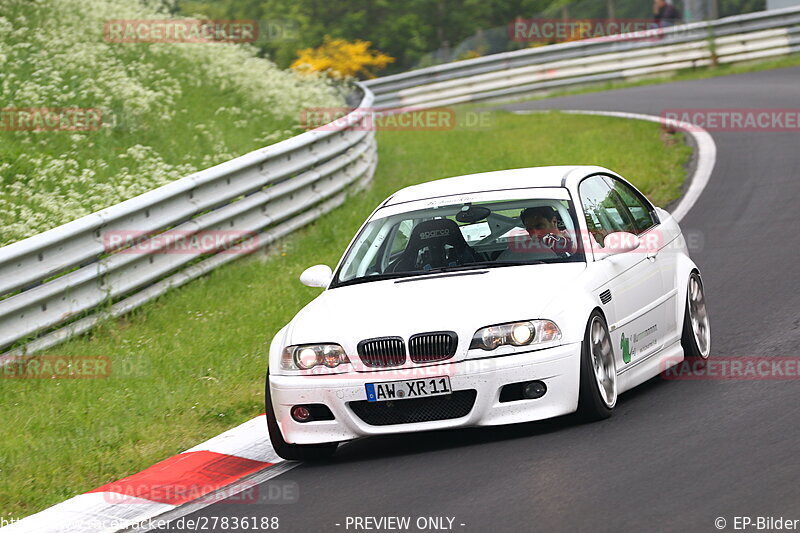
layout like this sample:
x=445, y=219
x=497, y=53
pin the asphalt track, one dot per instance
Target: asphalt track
x=676, y=454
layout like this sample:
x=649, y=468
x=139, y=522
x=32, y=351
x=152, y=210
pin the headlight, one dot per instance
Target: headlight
x=308, y=356
x=515, y=334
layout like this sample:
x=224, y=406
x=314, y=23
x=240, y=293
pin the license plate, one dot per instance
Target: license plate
x=410, y=388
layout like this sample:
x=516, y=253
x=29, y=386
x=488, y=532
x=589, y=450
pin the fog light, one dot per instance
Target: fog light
x=534, y=390
x=301, y=413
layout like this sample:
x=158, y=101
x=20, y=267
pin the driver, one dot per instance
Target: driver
x=541, y=223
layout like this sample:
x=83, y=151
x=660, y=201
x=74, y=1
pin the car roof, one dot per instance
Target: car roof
x=518, y=178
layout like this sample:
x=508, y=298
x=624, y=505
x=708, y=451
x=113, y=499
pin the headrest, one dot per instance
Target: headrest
x=436, y=233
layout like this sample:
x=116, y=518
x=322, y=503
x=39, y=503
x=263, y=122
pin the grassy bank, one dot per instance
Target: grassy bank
x=156, y=112
x=191, y=364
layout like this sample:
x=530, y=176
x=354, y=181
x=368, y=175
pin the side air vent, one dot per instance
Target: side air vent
x=605, y=296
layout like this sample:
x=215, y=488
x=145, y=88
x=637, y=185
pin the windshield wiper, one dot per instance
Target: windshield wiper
x=468, y=266
x=489, y=264
x=379, y=277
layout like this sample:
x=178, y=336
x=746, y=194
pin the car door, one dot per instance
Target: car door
x=632, y=286
x=657, y=238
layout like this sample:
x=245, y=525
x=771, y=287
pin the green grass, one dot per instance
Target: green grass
x=681, y=75
x=190, y=365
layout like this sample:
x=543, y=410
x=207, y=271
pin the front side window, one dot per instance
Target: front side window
x=610, y=205
x=463, y=235
x=642, y=214
x=602, y=215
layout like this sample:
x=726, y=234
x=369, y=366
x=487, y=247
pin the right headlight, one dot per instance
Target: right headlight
x=307, y=356
x=522, y=333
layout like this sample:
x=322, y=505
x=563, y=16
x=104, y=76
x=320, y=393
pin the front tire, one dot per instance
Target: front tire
x=598, y=382
x=293, y=452
x=696, y=335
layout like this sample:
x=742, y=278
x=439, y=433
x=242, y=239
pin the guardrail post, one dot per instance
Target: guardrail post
x=712, y=45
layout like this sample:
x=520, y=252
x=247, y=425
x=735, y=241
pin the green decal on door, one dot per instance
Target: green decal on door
x=625, y=345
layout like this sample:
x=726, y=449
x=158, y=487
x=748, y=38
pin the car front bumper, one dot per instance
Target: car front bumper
x=557, y=367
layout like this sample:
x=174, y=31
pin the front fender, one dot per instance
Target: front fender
x=275, y=349
x=571, y=313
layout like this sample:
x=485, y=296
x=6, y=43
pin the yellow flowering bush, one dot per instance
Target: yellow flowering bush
x=339, y=58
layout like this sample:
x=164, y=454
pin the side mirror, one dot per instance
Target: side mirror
x=619, y=242
x=316, y=276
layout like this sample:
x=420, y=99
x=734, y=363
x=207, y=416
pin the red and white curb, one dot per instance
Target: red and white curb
x=208, y=473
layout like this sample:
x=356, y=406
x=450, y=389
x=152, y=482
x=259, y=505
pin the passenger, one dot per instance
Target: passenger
x=541, y=223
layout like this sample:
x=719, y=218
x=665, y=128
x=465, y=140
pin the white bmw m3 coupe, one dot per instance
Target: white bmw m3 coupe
x=486, y=299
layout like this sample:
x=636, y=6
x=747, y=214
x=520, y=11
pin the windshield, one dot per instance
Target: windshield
x=462, y=236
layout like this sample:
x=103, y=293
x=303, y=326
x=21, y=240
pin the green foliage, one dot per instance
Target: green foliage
x=736, y=7
x=404, y=30
x=417, y=32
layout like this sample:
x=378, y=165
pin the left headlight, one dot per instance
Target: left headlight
x=515, y=334
x=306, y=356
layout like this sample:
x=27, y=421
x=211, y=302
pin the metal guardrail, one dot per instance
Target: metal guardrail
x=620, y=57
x=52, y=281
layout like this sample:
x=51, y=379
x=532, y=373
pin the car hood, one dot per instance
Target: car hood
x=457, y=301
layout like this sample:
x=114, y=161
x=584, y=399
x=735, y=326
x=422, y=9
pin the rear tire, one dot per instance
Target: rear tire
x=293, y=452
x=696, y=335
x=598, y=382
